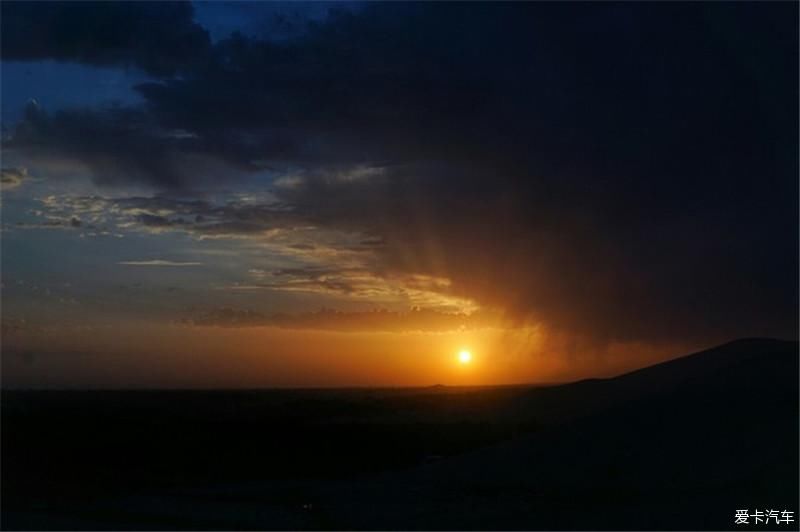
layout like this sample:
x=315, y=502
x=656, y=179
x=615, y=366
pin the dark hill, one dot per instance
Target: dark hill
x=680, y=445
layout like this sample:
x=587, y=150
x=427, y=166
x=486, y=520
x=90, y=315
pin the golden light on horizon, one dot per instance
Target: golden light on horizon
x=464, y=356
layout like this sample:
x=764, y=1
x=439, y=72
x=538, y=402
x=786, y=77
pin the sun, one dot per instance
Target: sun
x=464, y=357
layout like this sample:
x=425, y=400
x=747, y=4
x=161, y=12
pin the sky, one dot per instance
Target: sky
x=237, y=194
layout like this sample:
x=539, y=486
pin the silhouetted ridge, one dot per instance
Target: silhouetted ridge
x=734, y=352
x=679, y=445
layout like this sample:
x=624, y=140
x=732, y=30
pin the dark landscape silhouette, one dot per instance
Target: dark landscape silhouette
x=678, y=445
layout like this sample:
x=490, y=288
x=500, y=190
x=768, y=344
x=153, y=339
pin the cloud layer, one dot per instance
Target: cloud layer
x=160, y=38
x=415, y=320
x=622, y=171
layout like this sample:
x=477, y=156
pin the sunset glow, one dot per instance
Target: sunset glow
x=272, y=265
x=490, y=211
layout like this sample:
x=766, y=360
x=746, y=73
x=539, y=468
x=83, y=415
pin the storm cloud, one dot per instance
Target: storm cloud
x=161, y=39
x=621, y=171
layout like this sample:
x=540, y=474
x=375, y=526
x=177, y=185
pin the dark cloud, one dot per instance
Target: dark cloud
x=624, y=171
x=161, y=38
x=164, y=213
x=122, y=145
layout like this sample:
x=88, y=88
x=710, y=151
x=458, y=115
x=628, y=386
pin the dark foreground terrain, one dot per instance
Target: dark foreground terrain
x=680, y=445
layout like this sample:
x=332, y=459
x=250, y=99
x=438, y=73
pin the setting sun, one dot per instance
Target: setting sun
x=464, y=357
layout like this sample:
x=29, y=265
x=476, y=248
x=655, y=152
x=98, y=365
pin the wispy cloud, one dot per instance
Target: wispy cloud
x=11, y=178
x=157, y=262
x=376, y=320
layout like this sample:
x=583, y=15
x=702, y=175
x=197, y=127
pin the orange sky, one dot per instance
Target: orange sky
x=146, y=355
